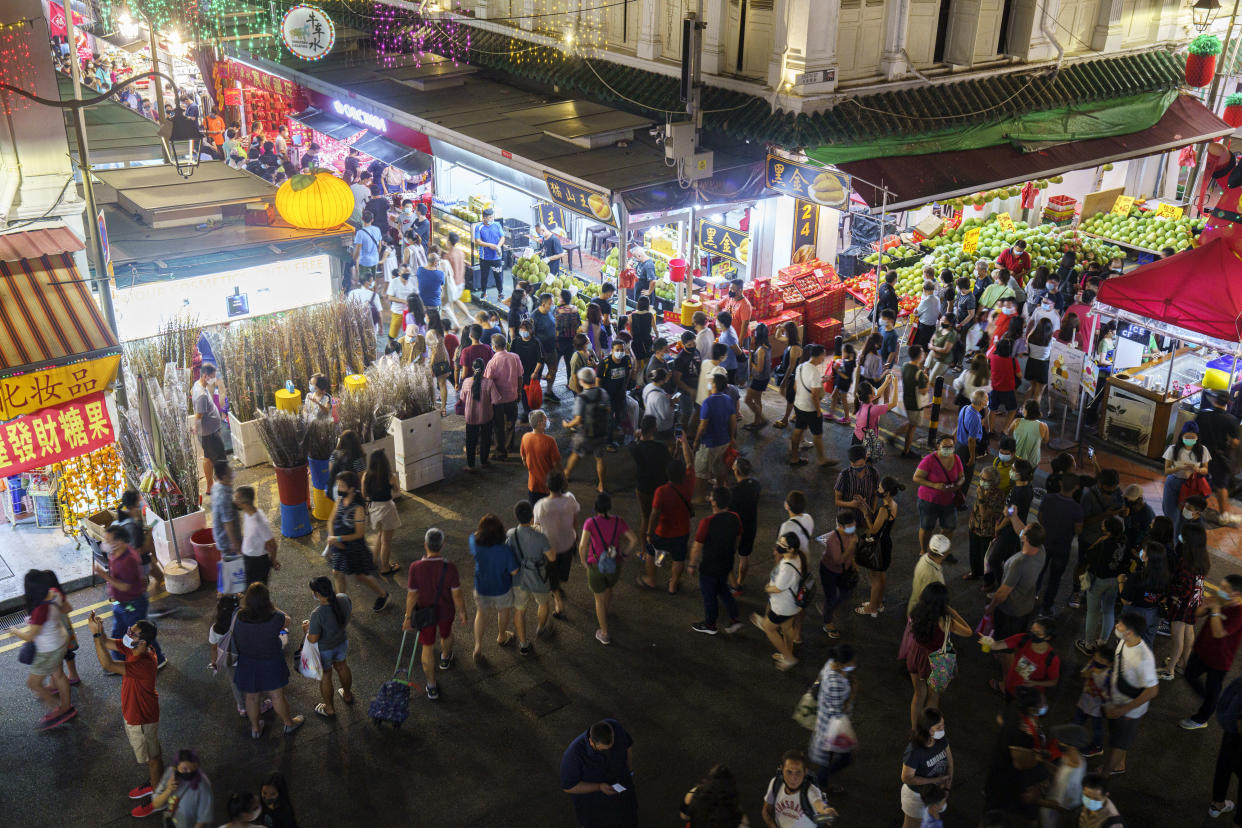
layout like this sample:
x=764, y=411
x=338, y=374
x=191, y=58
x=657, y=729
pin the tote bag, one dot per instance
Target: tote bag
x=943, y=665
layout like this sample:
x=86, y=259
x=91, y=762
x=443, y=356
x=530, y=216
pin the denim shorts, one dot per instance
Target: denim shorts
x=336, y=655
x=933, y=514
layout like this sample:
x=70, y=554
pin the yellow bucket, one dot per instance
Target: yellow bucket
x=321, y=504
x=688, y=309
x=290, y=401
x=1216, y=380
x=355, y=382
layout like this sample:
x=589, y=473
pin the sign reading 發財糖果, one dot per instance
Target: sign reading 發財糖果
x=725, y=242
x=61, y=432
x=29, y=392
x=589, y=203
x=821, y=185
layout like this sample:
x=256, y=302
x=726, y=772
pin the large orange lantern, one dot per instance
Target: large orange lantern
x=315, y=201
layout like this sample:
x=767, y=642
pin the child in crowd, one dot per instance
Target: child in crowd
x=1004, y=463
x=1095, y=694
x=934, y=801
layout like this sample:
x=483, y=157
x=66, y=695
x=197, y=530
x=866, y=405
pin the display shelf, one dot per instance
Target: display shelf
x=463, y=228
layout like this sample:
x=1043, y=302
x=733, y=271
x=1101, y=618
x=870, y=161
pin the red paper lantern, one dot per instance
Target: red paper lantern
x=1233, y=116
x=1199, y=69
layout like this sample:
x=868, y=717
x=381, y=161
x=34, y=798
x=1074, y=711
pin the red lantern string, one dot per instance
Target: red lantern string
x=17, y=66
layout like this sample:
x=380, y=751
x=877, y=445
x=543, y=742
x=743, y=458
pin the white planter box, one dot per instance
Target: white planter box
x=419, y=473
x=183, y=526
x=417, y=437
x=247, y=445
x=385, y=443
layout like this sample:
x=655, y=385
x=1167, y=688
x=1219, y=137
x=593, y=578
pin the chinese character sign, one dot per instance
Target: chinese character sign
x=723, y=241
x=550, y=215
x=580, y=200
x=54, y=434
x=821, y=185
x=27, y=393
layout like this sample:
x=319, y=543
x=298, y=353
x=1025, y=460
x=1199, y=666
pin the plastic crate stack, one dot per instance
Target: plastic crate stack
x=823, y=295
x=1060, y=210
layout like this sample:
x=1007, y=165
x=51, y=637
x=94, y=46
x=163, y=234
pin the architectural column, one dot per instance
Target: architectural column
x=807, y=46
x=649, y=29
x=714, y=37
x=1108, y=29
x=893, y=63
x=1169, y=27
x=1041, y=48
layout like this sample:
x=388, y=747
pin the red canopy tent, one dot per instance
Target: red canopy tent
x=1199, y=290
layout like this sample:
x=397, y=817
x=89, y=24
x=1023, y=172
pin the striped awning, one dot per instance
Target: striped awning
x=47, y=313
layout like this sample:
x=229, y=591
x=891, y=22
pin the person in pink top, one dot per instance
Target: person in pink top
x=478, y=394
x=504, y=369
x=940, y=477
x=870, y=405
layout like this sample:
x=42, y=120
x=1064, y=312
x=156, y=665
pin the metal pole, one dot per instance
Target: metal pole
x=155, y=67
x=879, y=263
x=1201, y=168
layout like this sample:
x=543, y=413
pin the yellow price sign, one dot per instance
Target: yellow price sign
x=1168, y=211
x=971, y=243
x=1005, y=221
x=1123, y=204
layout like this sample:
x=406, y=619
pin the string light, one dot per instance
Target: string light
x=17, y=66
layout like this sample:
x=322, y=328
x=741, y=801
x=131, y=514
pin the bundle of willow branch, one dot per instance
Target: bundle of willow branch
x=174, y=345
x=282, y=434
x=171, y=429
x=361, y=412
x=321, y=437
x=404, y=390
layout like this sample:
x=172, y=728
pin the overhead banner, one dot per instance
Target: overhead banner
x=27, y=393
x=308, y=32
x=830, y=188
x=589, y=203
x=725, y=242
x=806, y=224
x=61, y=432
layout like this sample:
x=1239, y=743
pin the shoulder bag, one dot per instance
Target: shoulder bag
x=871, y=437
x=943, y=664
x=224, y=647
x=425, y=617
x=1124, y=687
x=806, y=711
x=868, y=554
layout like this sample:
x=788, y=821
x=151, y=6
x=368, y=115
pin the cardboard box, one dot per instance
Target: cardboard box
x=97, y=523
x=417, y=437
x=421, y=472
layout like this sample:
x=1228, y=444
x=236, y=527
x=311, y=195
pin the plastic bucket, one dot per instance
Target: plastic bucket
x=206, y=554
x=677, y=270
x=293, y=486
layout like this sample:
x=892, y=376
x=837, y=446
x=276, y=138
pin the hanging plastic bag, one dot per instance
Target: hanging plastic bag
x=309, y=662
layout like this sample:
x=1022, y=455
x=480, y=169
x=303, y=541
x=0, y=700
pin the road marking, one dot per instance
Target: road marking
x=439, y=511
x=77, y=625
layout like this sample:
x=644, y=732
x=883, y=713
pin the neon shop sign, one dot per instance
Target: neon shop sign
x=359, y=116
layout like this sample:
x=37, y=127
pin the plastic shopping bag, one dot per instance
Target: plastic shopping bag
x=231, y=576
x=309, y=663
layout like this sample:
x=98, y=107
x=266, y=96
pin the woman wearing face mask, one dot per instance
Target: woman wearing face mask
x=528, y=350
x=277, y=806
x=1185, y=457
x=326, y=629
x=835, y=699
x=939, y=476
x=1185, y=597
x=441, y=364
x=778, y=622
x=244, y=810
x=1029, y=432
x=1105, y=561
x=880, y=528
x=930, y=622
x=1144, y=588
x=258, y=641
x=185, y=793
x=943, y=342
x=760, y=375
x=837, y=572
x=348, y=552
x=928, y=760
x=1039, y=352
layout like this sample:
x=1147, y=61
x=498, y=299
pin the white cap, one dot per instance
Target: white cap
x=939, y=545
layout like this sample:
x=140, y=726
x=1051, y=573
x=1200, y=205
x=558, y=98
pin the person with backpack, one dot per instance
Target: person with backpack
x=593, y=418
x=535, y=555
x=606, y=540
x=715, y=543
x=790, y=588
x=871, y=402
x=792, y=799
x=1229, y=756
x=1105, y=560
x=1031, y=660
x=808, y=391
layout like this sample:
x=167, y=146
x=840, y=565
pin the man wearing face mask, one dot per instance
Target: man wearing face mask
x=1062, y=517
x=1014, y=600
x=1132, y=687
x=1216, y=645
x=1098, y=811
x=185, y=791
x=971, y=421
x=140, y=703
x=614, y=377
x=126, y=585
x=739, y=309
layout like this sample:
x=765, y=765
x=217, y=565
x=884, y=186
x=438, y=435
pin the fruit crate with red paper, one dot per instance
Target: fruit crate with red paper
x=824, y=332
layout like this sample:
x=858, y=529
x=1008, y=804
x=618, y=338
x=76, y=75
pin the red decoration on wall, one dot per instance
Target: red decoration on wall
x=16, y=66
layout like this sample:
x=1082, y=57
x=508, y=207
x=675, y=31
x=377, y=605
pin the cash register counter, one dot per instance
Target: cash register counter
x=1139, y=411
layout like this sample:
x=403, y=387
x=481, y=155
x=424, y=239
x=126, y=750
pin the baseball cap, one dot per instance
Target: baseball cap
x=1134, y=492
x=939, y=545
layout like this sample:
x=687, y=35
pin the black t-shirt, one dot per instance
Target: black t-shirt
x=1020, y=498
x=529, y=351
x=613, y=372
x=913, y=383
x=651, y=459
x=379, y=212
x=646, y=274
x=1216, y=429
x=687, y=364
x=719, y=535
x=745, y=504
x=551, y=246
x=928, y=762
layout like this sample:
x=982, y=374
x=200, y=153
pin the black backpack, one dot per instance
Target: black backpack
x=804, y=593
x=804, y=795
x=596, y=414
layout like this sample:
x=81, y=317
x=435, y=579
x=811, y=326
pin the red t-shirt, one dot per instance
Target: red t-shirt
x=674, y=512
x=425, y=577
x=1218, y=653
x=127, y=568
x=451, y=343
x=472, y=352
x=140, y=702
x=1004, y=373
x=1028, y=665
x=1016, y=263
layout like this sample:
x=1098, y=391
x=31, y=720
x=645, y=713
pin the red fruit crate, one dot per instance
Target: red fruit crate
x=790, y=295
x=762, y=286
x=824, y=332
x=673, y=316
x=809, y=285
x=816, y=308
x=835, y=299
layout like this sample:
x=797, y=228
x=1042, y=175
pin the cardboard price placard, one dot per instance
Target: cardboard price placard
x=1123, y=204
x=1168, y=211
x=971, y=243
x=1005, y=221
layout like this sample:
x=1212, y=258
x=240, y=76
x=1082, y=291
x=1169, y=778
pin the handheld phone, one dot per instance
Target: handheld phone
x=1090, y=451
x=1010, y=510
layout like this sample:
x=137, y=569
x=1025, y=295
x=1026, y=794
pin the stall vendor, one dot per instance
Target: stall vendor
x=644, y=267
x=551, y=249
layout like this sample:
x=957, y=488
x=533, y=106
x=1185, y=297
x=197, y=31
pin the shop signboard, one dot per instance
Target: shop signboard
x=308, y=32
x=806, y=223
x=589, y=203
x=231, y=70
x=357, y=113
x=57, y=25
x=828, y=187
x=1123, y=204
x=1005, y=221
x=1090, y=377
x=1065, y=370
x=550, y=215
x=29, y=392
x=722, y=241
x=360, y=116
x=61, y=432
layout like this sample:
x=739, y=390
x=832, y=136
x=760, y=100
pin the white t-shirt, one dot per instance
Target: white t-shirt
x=807, y=378
x=397, y=292
x=706, y=386
x=364, y=296
x=803, y=526
x=703, y=341
x=1051, y=315
x=788, y=806
x=256, y=532
x=786, y=576
x=554, y=516
x=1138, y=665
x=1178, y=453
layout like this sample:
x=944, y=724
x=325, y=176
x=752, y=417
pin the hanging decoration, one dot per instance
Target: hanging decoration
x=308, y=32
x=1233, y=110
x=88, y=484
x=1201, y=59
x=17, y=66
x=319, y=201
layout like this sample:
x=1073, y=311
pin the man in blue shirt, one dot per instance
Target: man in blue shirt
x=431, y=282
x=366, y=247
x=491, y=239
x=545, y=334
x=970, y=423
x=596, y=771
x=717, y=430
x=551, y=249
x=728, y=338
x=889, y=345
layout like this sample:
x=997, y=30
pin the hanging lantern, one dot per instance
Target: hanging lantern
x=1233, y=110
x=1201, y=59
x=315, y=201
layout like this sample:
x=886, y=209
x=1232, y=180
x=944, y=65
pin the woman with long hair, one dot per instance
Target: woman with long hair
x=1185, y=457
x=931, y=621
x=348, y=456
x=594, y=330
x=928, y=760
x=604, y=535
x=47, y=610
x=870, y=364
x=782, y=587
x=843, y=378
x=495, y=564
x=1029, y=432
x=326, y=630
x=870, y=404
x=760, y=374
x=643, y=329
x=517, y=309
x=478, y=392
x=261, y=664
x=1145, y=587
x=441, y=365
x=243, y=809
x=1186, y=596
x=880, y=527
x=791, y=358
x=319, y=401
x=277, y=804
x=379, y=483
x=226, y=606
x=1068, y=332
x=349, y=555
x=713, y=802
x=1039, y=351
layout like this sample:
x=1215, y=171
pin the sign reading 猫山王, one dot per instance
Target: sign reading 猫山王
x=60, y=432
x=589, y=203
x=27, y=393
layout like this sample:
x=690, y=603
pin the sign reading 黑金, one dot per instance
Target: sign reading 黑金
x=725, y=242
x=828, y=187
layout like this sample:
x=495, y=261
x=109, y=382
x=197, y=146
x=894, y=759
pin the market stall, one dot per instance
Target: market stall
x=246, y=95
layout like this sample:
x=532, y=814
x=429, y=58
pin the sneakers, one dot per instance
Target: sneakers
x=1084, y=648
x=1075, y=600
x=381, y=602
x=704, y=627
x=433, y=692
x=602, y=638
x=1093, y=751
x=734, y=627
x=1225, y=807
x=143, y=811
x=163, y=662
x=757, y=620
x=1163, y=628
x=525, y=649
x=142, y=790
x=736, y=591
x=1190, y=724
x=56, y=718
x=445, y=661
x=298, y=721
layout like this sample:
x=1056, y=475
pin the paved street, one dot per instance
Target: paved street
x=488, y=752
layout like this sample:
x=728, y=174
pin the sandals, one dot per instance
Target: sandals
x=340, y=691
x=780, y=424
x=321, y=709
x=507, y=640
x=641, y=584
x=832, y=632
x=799, y=463
x=392, y=568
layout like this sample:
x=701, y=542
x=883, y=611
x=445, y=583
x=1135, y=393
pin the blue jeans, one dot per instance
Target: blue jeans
x=1168, y=501
x=713, y=587
x=1152, y=616
x=1101, y=600
x=123, y=617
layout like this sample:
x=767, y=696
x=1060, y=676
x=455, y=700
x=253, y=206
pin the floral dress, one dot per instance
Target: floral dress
x=1185, y=594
